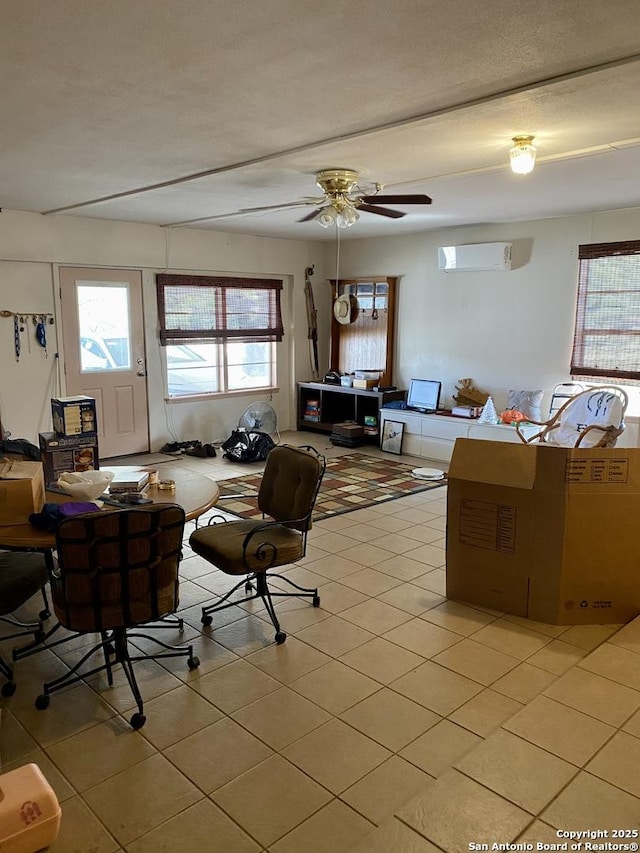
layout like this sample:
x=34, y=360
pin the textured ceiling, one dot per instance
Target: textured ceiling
x=170, y=111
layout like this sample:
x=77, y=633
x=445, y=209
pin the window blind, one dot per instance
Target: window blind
x=205, y=309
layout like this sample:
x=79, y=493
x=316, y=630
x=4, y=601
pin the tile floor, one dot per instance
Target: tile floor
x=390, y=720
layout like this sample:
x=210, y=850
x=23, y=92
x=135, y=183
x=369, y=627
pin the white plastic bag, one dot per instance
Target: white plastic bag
x=86, y=486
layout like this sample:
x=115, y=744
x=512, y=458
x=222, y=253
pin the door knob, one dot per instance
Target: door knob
x=141, y=372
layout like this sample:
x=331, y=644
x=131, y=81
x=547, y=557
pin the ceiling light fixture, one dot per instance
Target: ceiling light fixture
x=340, y=213
x=522, y=155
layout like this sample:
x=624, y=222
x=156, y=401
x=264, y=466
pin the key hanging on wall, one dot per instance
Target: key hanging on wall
x=16, y=336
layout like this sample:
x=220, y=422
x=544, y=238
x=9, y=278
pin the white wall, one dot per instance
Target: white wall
x=32, y=247
x=504, y=329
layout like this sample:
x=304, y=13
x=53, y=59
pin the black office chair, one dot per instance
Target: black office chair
x=22, y=575
x=287, y=494
x=117, y=571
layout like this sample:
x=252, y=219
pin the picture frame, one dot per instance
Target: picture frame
x=391, y=441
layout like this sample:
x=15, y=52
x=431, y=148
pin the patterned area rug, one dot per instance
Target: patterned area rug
x=352, y=481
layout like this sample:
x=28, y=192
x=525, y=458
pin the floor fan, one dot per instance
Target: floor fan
x=261, y=417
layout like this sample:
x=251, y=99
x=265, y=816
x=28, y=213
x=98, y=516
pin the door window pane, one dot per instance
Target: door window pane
x=105, y=337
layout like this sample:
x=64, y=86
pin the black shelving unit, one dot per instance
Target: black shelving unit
x=333, y=404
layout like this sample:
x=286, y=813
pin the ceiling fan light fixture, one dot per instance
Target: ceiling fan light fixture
x=327, y=216
x=523, y=155
x=347, y=217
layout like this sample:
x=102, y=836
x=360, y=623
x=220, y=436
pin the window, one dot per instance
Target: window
x=219, y=333
x=606, y=342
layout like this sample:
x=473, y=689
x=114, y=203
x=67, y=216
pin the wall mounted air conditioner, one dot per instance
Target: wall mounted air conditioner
x=475, y=257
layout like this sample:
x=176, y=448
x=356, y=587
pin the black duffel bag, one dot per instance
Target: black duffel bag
x=247, y=445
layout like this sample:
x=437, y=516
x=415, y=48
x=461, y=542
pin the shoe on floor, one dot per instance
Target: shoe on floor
x=197, y=451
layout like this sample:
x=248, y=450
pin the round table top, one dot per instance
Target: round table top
x=194, y=492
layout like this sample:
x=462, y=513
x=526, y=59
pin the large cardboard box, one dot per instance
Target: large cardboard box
x=547, y=533
x=63, y=454
x=21, y=490
x=73, y=416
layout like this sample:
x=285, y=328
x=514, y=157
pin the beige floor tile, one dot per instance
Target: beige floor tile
x=416, y=516
x=216, y=755
x=139, y=799
x=81, y=831
x=200, y=827
x=633, y=725
x=370, y=581
x=368, y=533
x=382, y=660
x=289, y=660
x=375, y=616
x=387, y=788
x=336, y=755
x=440, y=747
x=520, y=772
x=437, y=688
x=618, y=762
x=333, y=829
x=485, y=712
x=401, y=568
x=336, y=597
x=210, y=654
x=628, y=637
x=175, y=715
x=428, y=554
x=512, y=639
x=394, y=837
x=594, y=695
x=427, y=535
x=459, y=618
x=235, y=685
x=334, y=566
x=281, y=717
x=589, y=637
x=422, y=637
x=614, y=662
x=153, y=680
x=390, y=719
x=102, y=751
x=539, y=832
x=475, y=661
x=332, y=542
x=335, y=636
x=392, y=524
x=590, y=803
x=435, y=581
x=524, y=683
x=563, y=731
x=245, y=635
x=294, y=614
x=553, y=631
x=337, y=522
x=455, y=809
x=271, y=799
x=557, y=657
x=15, y=741
x=397, y=543
x=411, y=598
x=335, y=687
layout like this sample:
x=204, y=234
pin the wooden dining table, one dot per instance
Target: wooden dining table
x=194, y=492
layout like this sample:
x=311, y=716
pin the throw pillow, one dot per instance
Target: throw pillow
x=527, y=402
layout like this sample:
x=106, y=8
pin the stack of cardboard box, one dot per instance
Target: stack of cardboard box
x=73, y=445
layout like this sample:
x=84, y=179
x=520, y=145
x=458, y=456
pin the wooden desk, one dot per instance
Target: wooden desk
x=194, y=492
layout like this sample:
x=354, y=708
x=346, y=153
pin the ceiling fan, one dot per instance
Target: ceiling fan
x=343, y=199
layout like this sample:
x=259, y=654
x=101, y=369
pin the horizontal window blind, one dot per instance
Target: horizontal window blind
x=204, y=309
x=606, y=341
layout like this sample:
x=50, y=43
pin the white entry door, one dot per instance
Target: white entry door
x=103, y=334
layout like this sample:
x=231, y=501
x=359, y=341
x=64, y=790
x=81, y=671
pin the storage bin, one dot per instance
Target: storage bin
x=29, y=811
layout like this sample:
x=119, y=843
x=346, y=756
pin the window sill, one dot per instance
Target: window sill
x=222, y=395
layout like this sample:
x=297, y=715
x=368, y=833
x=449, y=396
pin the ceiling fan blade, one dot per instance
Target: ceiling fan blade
x=397, y=199
x=309, y=216
x=382, y=211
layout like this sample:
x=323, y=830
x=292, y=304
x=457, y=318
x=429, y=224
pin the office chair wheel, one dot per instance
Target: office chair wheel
x=44, y=614
x=248, y=587
x=280, y=637
x=8, y=689
x=316, y=600
x=193, y=662
x=138, y=721
x=207, y=620
x=42, y=702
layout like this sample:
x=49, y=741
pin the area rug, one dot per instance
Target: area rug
x=353, y=481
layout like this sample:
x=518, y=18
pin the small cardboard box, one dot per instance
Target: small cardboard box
x=73, y=416
x=547, y=533
x=348, y=429
x=21, y=490
x=62, y=455
x=30, y=813
x=365, y=384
